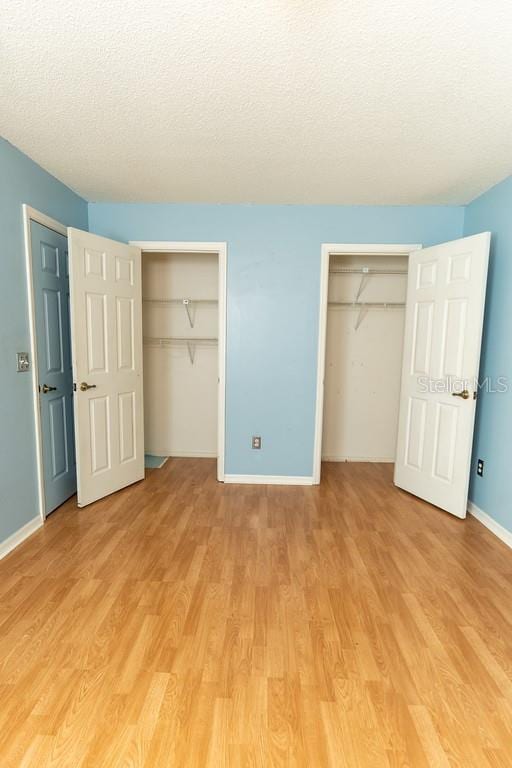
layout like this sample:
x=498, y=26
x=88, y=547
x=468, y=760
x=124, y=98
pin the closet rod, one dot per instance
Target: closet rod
x=375, y=304
x=161, y=341
x=366, y=271
x=190, y=342
x=164, y=302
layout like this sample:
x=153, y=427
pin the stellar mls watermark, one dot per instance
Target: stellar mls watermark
x=452, y=384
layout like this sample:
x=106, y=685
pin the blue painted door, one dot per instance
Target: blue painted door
x=51, y=300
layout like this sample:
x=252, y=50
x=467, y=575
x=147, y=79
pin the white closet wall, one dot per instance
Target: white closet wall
x=180, y=396
x=363, y=365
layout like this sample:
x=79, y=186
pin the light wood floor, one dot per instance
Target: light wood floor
x=186, y=623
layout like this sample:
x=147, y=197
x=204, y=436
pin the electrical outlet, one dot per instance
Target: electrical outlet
x=256, y=441
x=480, y=467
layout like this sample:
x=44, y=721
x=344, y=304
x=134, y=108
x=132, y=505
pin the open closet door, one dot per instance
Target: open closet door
x=106, y=342
x=443, y=331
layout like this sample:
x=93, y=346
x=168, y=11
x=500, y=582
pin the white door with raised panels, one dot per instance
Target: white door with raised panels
x=106, y=335
x=443, y=332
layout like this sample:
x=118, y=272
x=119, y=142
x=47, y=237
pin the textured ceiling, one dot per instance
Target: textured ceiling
x=290, y=101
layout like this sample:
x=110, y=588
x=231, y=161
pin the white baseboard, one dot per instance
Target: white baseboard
x=268, y=479
x=490, y=523
x=19, y=536
x=364, y=459
x=177, y=454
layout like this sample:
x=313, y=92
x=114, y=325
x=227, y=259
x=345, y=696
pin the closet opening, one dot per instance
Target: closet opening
x=362, y=320
x=184, y=327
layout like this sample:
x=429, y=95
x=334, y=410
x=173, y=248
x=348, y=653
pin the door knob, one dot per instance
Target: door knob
x=45, y=389
x=464, y=394
x=84, y=386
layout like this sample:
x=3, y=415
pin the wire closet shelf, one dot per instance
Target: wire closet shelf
x=191, y=342
x=363, y=306
x=187, y=304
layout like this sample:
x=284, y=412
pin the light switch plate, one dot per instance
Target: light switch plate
x=22, y=362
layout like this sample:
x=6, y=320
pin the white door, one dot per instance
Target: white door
x=106, y=342
x=443, y=331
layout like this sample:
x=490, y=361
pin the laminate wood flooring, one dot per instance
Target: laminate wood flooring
x=185, y=623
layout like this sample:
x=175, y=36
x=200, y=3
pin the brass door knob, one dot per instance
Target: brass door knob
x=45, y=389
x=84, y=386
x=464, y=394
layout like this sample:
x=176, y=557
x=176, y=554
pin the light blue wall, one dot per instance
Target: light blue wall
x=273, y=300
x=21, y=181
x=273, y=286
x=493, y=434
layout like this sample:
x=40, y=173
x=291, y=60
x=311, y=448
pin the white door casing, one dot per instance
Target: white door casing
x=443, y=332
x=220, y=249
x=328, y=250
x=106, y=332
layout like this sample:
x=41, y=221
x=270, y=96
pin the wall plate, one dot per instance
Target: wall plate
x=22, y=362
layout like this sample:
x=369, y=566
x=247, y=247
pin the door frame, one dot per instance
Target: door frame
x=328, y=250
x=29, y=215
x=220, y=249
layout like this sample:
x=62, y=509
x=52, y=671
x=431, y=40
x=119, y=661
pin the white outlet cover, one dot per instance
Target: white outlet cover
x=22, y=362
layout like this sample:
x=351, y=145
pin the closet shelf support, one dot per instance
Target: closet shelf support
x=364, y=280
x=186, y=304
x=363, y=311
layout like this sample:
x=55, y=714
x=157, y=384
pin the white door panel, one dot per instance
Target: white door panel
x=106, y=326
x=443, y=330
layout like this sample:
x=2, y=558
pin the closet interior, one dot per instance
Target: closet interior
x=180, y=329
x=363, y=364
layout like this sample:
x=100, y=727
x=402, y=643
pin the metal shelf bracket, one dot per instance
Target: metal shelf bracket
x=186, y=304
x=191, y=352
x=364, y=281
x=363, y=311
